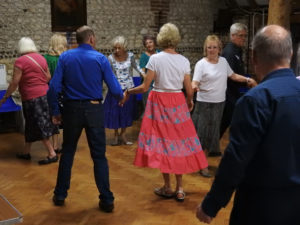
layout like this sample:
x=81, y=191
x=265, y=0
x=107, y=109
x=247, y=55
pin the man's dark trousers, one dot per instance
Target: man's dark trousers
x=79, y=114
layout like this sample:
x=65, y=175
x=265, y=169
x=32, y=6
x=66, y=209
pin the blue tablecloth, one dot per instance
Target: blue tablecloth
x=9, y=105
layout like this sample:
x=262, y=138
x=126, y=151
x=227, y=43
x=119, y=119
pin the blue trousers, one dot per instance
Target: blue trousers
x=76, y=116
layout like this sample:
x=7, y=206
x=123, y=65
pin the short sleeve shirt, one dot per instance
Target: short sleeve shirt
x=213, y=80
x=33, y=83
x=169, y=69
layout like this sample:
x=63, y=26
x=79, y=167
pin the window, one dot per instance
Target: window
x=68, y=15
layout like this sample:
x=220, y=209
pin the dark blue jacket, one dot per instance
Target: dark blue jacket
x=264, y=148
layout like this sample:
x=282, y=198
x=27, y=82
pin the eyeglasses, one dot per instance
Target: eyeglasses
x=242, y=35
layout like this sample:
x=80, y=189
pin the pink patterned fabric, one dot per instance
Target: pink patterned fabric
x=168, y=139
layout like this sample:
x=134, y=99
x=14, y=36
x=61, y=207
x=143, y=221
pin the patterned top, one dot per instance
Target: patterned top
x=123, y=70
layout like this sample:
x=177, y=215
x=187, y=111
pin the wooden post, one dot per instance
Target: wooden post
x=279, y=13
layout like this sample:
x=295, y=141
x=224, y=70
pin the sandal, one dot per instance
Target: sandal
x=179, y=196
x=115, y=142
x=205, y=173
x=127, y=143
x=124, y=141
x=164, y=192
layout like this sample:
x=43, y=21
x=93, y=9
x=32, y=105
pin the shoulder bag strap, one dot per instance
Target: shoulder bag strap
x=35, y=62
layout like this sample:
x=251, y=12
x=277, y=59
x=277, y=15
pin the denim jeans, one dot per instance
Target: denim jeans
x=76, y=116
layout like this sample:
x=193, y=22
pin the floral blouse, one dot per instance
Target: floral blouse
x=124, y=70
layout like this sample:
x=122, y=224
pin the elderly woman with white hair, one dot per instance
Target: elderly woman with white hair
x=31, y=75
x=168, y=139
x=122, y=63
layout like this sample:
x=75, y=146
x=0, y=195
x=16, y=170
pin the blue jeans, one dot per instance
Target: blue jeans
x=76, y=116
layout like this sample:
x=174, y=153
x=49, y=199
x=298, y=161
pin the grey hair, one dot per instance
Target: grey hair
x=237, y=27
x=272, y=45
x=121, y=41
x=26, y=45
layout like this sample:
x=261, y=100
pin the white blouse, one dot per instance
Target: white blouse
x=169, y=69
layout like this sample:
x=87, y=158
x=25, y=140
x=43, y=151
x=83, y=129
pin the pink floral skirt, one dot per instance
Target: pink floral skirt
x=168, y=139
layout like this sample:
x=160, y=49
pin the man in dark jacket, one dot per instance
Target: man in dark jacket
x=233, y=52
x=262, y=159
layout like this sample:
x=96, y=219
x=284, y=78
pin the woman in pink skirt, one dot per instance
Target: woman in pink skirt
x=168, y=139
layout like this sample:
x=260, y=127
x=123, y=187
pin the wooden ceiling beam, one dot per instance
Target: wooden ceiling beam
x=279, y=12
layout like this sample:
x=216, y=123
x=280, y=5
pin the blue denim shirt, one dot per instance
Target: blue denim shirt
x=264, y=148
x=80, y=73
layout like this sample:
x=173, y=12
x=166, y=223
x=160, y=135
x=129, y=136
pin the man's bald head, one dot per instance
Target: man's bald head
x=272, y=45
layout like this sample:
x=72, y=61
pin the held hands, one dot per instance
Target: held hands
x=202, y=217
x=2, y=101
x=190, y=104
x=195, y=87
x=56, y=120
x=125, y=98
x=251, y=83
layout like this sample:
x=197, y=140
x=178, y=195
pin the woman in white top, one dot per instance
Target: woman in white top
x=122, y=63
x=168, y=139
x=210, y=82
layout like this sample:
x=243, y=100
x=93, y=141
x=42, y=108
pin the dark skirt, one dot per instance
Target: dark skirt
x=38, y=124
x=116, y=116
x=207, y=119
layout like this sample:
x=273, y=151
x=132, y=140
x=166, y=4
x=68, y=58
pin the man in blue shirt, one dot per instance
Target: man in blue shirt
x=262, y=159
x=80, y=73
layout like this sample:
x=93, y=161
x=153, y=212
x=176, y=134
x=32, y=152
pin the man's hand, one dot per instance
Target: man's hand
x=125, y=98
x=56, y=119
x=251, y=83
x=202, y=216
x=2, y=101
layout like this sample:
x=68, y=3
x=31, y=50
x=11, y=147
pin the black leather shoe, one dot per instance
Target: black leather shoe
x=105, y=207
x=23, y=156
x=58, y=201
x=48, y=160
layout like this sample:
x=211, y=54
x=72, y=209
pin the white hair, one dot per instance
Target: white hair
x=121, y=41
x=237, y=27
x=26, y=45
